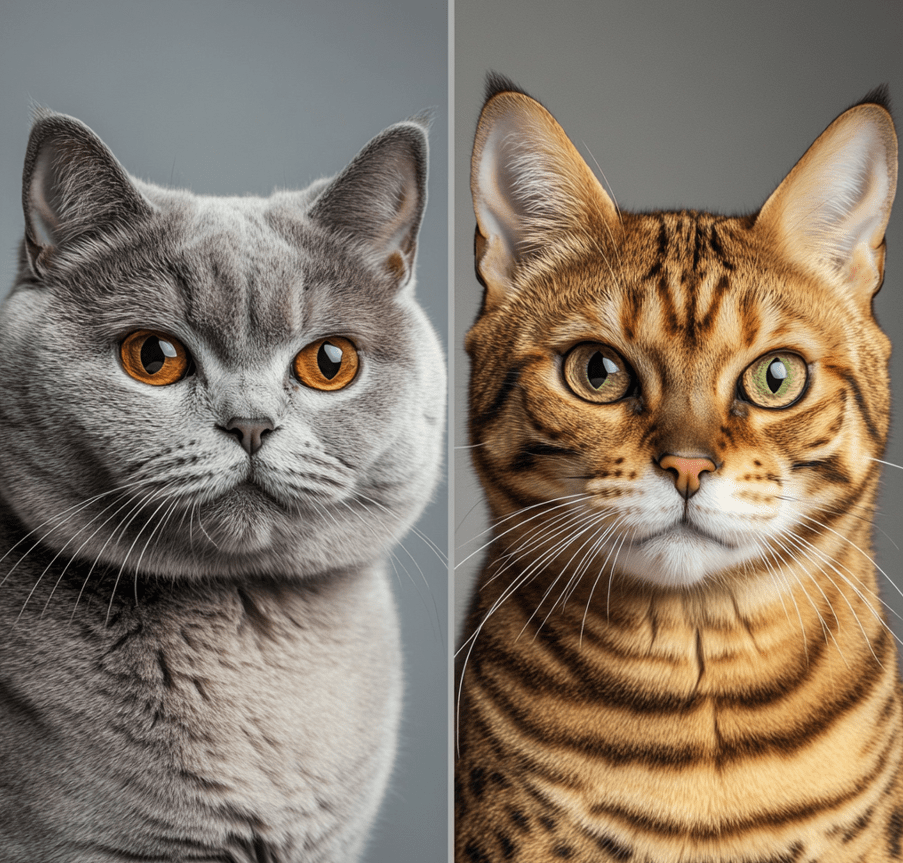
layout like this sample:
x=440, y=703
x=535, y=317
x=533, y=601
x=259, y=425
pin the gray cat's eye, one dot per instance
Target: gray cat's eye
x=154, y=358
x=327, y=364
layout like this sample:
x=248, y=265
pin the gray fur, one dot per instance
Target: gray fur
x=199, y=655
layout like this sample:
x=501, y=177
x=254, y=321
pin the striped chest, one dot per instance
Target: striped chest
x=671, y=730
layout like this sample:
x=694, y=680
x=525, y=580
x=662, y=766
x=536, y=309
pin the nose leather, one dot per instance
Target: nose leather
x=249, y=431
x=686, y=471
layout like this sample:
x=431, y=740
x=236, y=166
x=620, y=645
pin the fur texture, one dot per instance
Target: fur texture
x=199, y=655
x=677, y=651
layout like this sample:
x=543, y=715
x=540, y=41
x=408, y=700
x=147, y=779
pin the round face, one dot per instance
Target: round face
x=228, y=391
x=679, y=416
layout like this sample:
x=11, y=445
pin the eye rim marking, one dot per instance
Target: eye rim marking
x=309, y=370
x=575, y=372
x=175, y=367
x=749, y=383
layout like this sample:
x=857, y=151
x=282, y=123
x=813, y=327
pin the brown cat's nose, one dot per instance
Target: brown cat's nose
x=249, y=432
x=686, y=471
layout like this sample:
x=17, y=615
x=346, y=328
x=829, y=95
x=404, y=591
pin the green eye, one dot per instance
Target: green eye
x=776, y=380
x=597, y=373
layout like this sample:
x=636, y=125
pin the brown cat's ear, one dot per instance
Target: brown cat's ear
x=72, y=188
x=380, y=197
x=830, y=212
x=530, y=186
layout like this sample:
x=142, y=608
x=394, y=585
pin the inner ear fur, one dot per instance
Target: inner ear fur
x=72, y=187
x=830, y=213
x=530, y=188
x=379, y=198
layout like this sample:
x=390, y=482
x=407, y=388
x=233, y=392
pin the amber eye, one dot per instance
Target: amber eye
x=597, y=373
x=776, y=380
x=327, y=364
x=154, y=358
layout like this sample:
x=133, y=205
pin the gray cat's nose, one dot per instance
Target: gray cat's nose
x=249, y=432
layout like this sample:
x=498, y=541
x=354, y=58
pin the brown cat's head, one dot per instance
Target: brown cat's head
x=690, y=395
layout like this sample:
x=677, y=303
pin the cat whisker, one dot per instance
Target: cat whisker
x=128, y=553
x=71, y=557
x=59, y=521
x=766, y=552
x=540, y=534
x=564, y=569
x=75, y=554
x=395, y=559
x=568, y=499
x=888, y=463
x=443, y=558
x=825, y=628
x=853, y=544
x=796, y=540
x=161, y=524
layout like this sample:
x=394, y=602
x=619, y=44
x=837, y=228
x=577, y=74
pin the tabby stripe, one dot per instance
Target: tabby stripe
x=622, y=695
x=511, y=380
x=718, y=249
x=749, y=318
x=503, y=480
x=720, y=289
x=895, y=834
x=631, y=309
x=776, y=818
x=690, y=284
x=525, y=458
x=672, y=325
x=872, y=429
x=829, y=469
x=661, y=252
x=614, y=695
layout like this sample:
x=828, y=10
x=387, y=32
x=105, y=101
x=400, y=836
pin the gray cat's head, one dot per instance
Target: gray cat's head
x=196, y=386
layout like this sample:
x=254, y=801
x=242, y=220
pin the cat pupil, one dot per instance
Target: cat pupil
x=329, y=360
x=598, y=369
x=775, y=376
x=154, y=354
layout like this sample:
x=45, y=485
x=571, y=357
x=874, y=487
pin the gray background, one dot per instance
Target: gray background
x=234, y=98
x=705, y=105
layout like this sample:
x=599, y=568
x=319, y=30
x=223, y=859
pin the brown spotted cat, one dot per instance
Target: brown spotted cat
x=677, y=652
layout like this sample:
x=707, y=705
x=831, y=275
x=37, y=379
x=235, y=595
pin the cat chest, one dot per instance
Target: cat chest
x=275, y=708
x=637, y=753
x=269, y=715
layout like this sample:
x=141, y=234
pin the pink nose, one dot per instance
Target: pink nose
x=686, y=471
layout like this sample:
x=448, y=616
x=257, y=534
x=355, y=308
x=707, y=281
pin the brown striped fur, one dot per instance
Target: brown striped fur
x=648, y=673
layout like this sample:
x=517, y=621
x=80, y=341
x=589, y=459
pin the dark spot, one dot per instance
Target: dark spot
x=520, y=820
x=475, y=855
x=564, y=851
x=477, y=781
x=895, y=833
x=507, y=846
x=547, y=822
x=617, y=851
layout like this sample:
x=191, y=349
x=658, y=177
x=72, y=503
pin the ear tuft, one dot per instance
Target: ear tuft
x=830, y=212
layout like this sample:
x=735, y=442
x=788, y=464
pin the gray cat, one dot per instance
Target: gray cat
x=217, y=415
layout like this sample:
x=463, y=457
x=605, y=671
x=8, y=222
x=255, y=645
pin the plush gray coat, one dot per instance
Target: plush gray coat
x=199, y=655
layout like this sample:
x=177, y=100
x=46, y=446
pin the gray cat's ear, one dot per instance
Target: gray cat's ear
x=830, y=212
x=530, y=186
x=72, y=188
x=380, y=197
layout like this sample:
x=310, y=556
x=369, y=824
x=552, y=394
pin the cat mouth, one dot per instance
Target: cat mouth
x=681, y=530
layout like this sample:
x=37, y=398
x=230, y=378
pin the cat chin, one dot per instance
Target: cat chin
x=677, y=558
